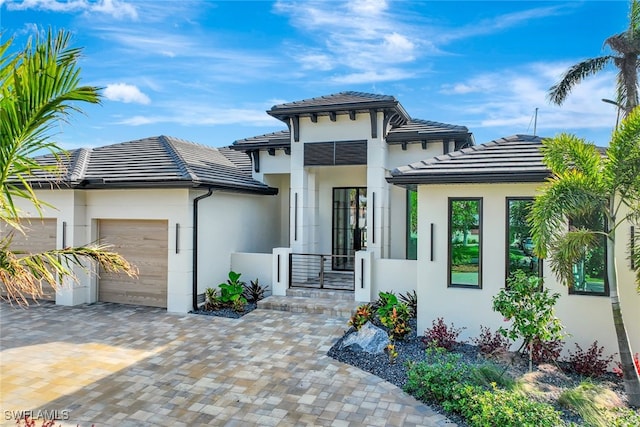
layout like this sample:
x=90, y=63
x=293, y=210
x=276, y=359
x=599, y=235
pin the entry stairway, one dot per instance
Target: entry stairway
x=334, y=303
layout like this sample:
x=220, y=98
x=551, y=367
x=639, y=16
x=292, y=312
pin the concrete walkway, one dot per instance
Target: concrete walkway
x=117, y=365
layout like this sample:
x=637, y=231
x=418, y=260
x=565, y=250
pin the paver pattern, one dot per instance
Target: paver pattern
x=117, y=365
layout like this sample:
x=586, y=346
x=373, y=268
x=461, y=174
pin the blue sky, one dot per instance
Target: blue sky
x=206, y=71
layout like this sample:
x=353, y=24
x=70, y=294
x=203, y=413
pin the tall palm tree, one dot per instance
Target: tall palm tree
x=586, y=184
x=39, y=86
x=626, y=49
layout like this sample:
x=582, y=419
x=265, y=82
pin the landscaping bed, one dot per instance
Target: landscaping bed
x=483, y=383
x=228, y=311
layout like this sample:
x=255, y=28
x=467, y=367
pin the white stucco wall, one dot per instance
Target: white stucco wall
x=229, y=223
x=397, y=275
x=253, y=266
x=586, y=318
x=414, y=153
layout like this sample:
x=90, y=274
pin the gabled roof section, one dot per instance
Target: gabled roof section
x=341, y=102
x=416, y=130
x=156, y=162
x=280, y=139
x=515, y=158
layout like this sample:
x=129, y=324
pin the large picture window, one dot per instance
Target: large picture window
x=465, y=242
x=590, y=273
x=520, y=256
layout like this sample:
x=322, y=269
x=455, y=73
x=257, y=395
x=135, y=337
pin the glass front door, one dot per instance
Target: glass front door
x=349, y=225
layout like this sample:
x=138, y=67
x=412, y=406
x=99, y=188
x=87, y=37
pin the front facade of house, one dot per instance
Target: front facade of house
x=328, y=202
x=497, y=181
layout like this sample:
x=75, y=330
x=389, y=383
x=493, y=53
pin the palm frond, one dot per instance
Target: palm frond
x=572, y=247
x=574, y=75
x=623, y=158
x=22, y=276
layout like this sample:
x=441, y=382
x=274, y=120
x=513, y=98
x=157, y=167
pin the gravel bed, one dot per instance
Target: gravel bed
x=227, y=311
x=550, y=379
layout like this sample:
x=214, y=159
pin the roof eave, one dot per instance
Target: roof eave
x=404, y=179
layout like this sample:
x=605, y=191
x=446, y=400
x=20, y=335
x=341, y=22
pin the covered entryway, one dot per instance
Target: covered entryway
x=145, y=244
x=39, y=236
x=349, y=226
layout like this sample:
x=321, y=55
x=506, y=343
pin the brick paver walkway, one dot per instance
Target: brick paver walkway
x=117, y=365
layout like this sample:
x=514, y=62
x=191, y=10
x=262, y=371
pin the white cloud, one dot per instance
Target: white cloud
x=123, y=92
x=508, y=100
x=371, y=76
x=115, y=8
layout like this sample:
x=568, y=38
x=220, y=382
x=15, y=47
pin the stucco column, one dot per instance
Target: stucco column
x=377, y=194
x=362, y=275
x=280, y=271
x=303, y=214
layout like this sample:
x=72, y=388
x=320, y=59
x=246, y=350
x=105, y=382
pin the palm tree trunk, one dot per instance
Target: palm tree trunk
x=631, y=379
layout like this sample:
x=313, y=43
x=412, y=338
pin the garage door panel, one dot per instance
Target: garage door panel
x=144, y=243
x=40, y=235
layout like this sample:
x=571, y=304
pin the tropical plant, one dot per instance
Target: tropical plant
x=397, y=321
x=255, y=291
x=583, y=183
x=590, y=362
x=410, y=298
x=232, y=290
x=363, y=314
x=211, y=299
x=39, y=87
x=385, y=303
x=530, y=309
x=626, y=49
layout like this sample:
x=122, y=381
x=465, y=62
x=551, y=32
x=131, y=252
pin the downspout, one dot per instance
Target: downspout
x=194, y=281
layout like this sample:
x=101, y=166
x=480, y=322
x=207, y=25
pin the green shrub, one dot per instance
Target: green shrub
x=624, y=417
x=232, y=290
x=510, y=409
x=386, y=302
x=397, y=322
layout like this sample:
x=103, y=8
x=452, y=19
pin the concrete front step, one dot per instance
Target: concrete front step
x=321, y=294
x=298, y=304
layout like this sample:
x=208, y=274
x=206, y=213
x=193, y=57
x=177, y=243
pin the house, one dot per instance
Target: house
x=497, y=182
x=354, y=195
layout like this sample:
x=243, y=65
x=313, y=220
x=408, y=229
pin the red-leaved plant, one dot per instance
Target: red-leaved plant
x=636, y=361
x=590, y=363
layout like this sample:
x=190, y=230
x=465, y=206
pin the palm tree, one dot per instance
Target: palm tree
x=626, y=49
x=39, y=86
x=586, y=184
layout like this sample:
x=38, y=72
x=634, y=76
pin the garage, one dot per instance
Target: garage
x=39, y=236
x=143, y=243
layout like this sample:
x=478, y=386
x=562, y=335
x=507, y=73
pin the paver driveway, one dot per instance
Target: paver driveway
x=117, y=365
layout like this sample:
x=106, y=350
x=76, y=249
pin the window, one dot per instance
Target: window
x=465, y=242
x=590, y=273
x=519, y=246
x=412, y=224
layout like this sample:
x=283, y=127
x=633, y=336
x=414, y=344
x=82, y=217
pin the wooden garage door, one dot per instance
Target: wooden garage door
x=40, y=236
x=143, y=243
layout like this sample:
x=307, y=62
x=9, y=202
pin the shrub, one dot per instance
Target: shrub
x=439, y=378
x=363, y=314
x=530, y=309
x=397, y=322
x=410, y=298
x=441, y=335
x=232, y=290
x=545, y=351
x=491, y=343
x=623, y=417
x=510, y=409
x=254, y=292
x=211, y=299
x=618, y=370
x=589, y=363
x=386, y=302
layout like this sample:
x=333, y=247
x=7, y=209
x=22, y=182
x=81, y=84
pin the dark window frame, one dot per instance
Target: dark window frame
x=606, y=292
x=507, y=222
x=450, y=245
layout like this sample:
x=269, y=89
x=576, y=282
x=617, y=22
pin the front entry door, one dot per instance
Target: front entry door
x=349, y=225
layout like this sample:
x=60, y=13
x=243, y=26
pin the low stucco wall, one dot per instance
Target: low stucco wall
x=253, y=266
x=397, y=275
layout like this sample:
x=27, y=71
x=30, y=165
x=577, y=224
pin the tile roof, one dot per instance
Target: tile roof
x=280, y=139
x=342, y=101
x=515, y=158
x=160, y=161
x=418, y=130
